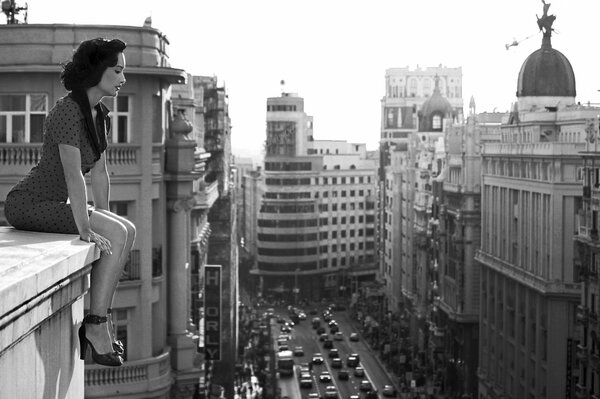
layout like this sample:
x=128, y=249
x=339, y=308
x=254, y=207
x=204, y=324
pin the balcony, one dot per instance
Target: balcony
x=583, y=354
x=43, y=278
x=123, y=159
x=151, y=376
x=581, y=392
x=582, y=315
x=595, y=360
x=205, y=195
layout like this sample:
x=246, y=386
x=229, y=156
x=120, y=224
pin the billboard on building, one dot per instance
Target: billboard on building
x=212, y=312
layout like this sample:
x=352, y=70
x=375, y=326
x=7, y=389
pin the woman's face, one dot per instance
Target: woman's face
x=113, y=78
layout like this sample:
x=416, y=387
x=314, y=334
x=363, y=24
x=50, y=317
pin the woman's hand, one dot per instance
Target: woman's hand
x=102, y=242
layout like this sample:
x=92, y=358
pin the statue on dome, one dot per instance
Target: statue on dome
x=546, y=21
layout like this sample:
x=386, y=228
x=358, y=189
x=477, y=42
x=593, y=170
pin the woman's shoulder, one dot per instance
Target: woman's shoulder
x=66, y=107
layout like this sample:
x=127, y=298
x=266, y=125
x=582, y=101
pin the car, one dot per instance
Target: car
x=298, y=351
x=334, y=352
x=389, y=391
x=365, y=386
x=305, y=368
x=359, y=372
x=317, y=358
x=352, y=361
x=331, y=392
x=323, y=337
x=283, y=337
x=354, y=337
x=280, y=320
x=343, y=374
x=338, y=336
x=302, y=316
x=332, y=323
x=313, y=395
x=334, y=329
x=283, y=347
x=285, y=329
x=354, y=396
x=325, y=376
x=321, y=330
x=328, y=344
x=336, y=363
x=327, y=317
x=306, y=381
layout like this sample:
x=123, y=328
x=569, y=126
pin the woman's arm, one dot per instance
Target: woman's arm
x=101, y=184
x=71, y=161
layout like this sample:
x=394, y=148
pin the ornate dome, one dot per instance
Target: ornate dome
x=546, y=72
x=435, y=106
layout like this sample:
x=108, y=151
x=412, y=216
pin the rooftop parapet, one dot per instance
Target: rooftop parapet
x=43, y=278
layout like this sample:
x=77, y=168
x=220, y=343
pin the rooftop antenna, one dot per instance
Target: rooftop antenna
x=10, y=8
x=282, y=83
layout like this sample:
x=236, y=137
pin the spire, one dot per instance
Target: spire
x=472, y=106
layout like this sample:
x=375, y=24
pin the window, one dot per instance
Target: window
x=22, y=117
x=120, y=115
x=119, y=207
x=436, y=122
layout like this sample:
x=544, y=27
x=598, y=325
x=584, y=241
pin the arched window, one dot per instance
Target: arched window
x=436, y=122
x=426, y=87
x=413, y=87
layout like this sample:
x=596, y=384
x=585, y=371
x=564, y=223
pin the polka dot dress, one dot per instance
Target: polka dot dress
x=39, y=201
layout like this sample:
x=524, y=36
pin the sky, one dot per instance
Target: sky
x=334, y=53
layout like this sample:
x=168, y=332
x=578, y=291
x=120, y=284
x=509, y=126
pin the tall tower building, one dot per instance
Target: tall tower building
x=531, y=193
x=316, y=224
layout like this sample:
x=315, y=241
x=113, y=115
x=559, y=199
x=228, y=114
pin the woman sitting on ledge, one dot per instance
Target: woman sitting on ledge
x=52, y=197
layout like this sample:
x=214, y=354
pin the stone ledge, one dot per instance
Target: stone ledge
x=32, y=262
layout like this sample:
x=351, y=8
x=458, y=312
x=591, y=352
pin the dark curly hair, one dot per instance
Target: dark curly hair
x=89, y=62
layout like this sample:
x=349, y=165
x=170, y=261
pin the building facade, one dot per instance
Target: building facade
x=158, y=181
x=531, y=195
x=587, y=256
x=317, y=216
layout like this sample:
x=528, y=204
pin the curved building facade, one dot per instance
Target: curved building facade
x=316, y=223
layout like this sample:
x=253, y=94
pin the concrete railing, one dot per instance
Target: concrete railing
x=43, y=278
x=122, y=159
x=151, y=376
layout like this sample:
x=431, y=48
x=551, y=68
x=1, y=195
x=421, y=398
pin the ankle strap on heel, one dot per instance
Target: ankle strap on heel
x=93, y=319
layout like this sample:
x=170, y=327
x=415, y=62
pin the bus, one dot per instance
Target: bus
x=285, y=363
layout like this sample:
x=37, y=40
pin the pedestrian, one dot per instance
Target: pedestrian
x=52, y=197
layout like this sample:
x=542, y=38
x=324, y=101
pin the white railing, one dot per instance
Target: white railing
x=147, y=374
x=122, y=154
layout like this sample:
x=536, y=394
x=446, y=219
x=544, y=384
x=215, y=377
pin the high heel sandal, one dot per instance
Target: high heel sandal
x=105, y=359
x=117, y=344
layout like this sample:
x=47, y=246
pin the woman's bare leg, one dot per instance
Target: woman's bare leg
x=131, y=233
x=105, y=276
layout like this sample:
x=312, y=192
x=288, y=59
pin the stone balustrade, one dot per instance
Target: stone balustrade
x=151, y=376
x=122, y=159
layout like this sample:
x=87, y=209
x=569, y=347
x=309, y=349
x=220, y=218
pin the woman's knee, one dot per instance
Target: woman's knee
x=131, y=230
